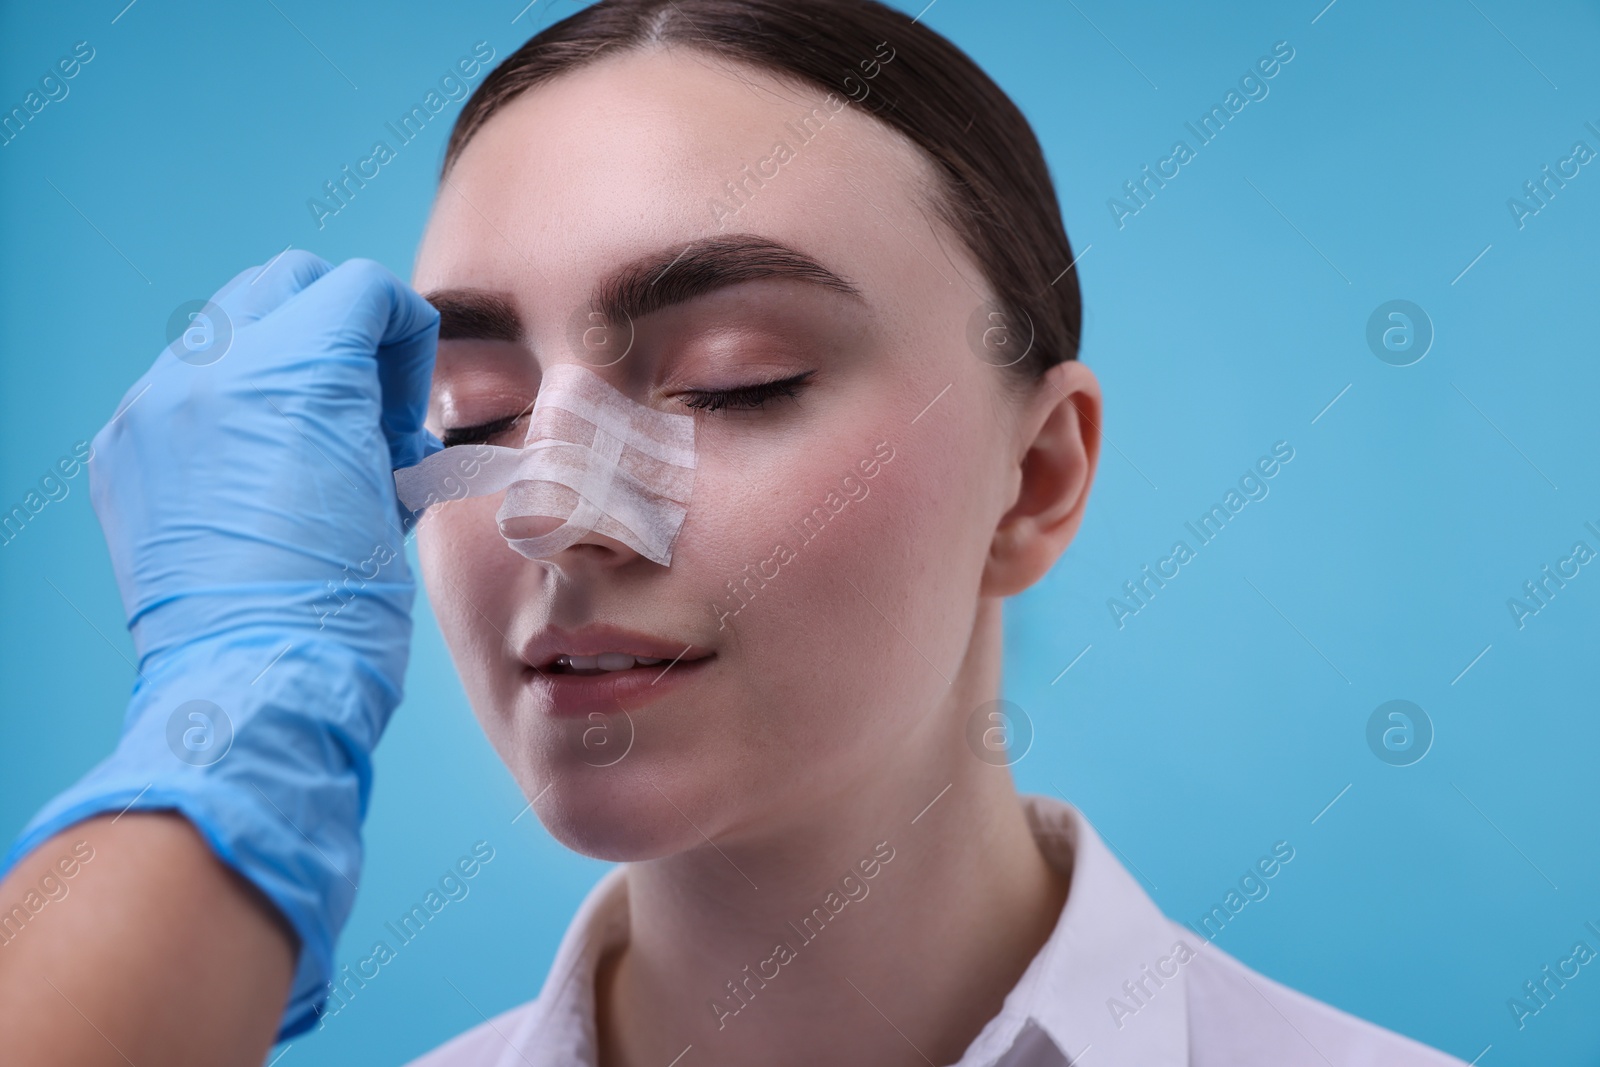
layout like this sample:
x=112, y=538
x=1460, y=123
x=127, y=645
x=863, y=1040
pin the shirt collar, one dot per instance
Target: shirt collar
x=558, y=1030
x=1108, y=987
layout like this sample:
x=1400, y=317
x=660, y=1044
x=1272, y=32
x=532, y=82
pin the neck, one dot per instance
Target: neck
x=899, y=912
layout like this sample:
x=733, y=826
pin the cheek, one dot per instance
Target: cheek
x=470, y=571
x=913, y=555
x=846, y=613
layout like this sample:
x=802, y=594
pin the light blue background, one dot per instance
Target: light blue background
x=1211, y=725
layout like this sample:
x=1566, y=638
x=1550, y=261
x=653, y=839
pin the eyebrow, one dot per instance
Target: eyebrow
x=646, y=284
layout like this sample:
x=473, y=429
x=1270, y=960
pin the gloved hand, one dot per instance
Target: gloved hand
x=249, y=506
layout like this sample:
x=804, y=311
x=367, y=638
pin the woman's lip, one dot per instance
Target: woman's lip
x=569, y=695
x=552, y=642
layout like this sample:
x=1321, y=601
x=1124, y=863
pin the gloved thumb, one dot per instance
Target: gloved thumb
x=382, y=315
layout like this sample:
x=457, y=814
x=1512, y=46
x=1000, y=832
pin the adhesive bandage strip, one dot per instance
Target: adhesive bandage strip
x=592, y=458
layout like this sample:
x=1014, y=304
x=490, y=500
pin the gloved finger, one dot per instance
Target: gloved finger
x=430, y=445
x=256, y=292
x=248, y=296
x=405, y=374
x=374, y=308
x=383, y=315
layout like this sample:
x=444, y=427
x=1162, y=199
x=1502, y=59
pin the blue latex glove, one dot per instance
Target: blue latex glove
x=249, y=506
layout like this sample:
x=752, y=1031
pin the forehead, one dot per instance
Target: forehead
x=671, y=145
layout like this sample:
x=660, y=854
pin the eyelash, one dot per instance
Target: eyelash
x=481, y=433
x=740, y=397
x=746, y=396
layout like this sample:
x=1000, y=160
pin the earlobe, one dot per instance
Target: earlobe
x=1058, y=449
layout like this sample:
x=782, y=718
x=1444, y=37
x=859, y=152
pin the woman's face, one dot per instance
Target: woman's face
x=854, y=517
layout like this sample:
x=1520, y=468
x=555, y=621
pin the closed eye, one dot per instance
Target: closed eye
x=483, y=432
x=739, y=397
x=745, y=396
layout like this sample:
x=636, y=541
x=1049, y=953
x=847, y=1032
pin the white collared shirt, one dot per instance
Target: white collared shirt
x=1116, y=985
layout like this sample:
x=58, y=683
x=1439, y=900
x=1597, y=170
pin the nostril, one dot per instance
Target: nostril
x=514, y=527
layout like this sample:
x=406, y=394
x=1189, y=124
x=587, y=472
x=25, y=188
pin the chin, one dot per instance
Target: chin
x=612, y=814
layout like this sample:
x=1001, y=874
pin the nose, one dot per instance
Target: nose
x=596, y=471
x=529, y=520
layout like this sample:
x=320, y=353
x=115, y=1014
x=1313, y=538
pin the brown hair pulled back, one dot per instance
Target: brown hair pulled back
x=997, y=195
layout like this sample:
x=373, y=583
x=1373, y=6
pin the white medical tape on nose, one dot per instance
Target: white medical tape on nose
x=592, y=458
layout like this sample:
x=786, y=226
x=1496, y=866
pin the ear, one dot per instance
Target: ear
x=1058, y=439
